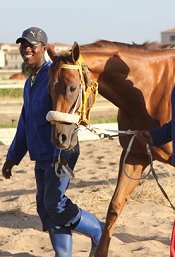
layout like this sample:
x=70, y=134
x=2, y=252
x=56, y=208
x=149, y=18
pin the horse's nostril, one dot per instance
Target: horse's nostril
x=61, y=137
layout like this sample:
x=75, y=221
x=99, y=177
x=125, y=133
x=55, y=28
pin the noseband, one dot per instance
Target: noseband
x=79, y=115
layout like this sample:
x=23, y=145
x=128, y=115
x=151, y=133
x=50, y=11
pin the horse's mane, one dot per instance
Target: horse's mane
x=112, y=44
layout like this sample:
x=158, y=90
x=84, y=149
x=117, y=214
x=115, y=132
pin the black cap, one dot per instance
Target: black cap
x=33, y=35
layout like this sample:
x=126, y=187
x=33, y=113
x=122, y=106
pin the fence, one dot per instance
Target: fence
x=10, y=100
x=10, y=109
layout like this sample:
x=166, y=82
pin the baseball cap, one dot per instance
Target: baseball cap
x=33, y=35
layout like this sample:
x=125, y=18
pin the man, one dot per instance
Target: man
x=160, y=136
x=58, y=214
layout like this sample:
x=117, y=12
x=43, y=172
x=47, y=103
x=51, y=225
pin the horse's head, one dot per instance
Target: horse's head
x=67, y=87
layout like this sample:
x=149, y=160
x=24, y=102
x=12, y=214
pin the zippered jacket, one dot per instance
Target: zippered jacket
x=34, y=131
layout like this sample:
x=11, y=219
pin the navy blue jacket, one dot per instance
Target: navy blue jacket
x=34, y=131
x=166, y=133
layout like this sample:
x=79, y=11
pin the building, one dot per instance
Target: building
x=59, y=47
x=10, y=57
x=13, y=59
x=2, y=59
x=168, y=36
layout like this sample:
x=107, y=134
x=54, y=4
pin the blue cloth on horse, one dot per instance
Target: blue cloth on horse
x=166, y=133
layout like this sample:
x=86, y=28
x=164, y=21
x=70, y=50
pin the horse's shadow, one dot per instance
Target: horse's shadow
x=83, y=184
x=16, y=193
x=113, y=181
x=8, y=254
x=129, y=238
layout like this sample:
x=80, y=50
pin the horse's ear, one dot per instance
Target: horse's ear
x=51, y=52
x=75, y=53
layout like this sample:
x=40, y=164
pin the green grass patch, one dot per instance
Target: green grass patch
x=9, y=124
x=11, y=92
x=100, y=120
x=93, y=121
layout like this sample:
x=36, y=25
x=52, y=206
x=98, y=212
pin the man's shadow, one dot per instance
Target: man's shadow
x=16, y=219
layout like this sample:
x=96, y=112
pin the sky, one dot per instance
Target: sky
x=86, y=21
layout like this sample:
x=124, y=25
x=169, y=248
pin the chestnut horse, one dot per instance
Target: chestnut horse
x=138, y=80
x=18, y=76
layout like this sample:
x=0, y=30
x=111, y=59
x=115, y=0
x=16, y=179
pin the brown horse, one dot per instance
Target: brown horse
x=18, y=76
x=138, y=80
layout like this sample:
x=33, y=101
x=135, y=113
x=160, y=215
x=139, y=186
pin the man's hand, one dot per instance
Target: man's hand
x=6, y=169
x=144, y=137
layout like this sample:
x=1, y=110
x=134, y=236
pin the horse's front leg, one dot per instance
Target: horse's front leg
x=134, y=166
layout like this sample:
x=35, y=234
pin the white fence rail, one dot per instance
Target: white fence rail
x=6, y=135
x=11, y=85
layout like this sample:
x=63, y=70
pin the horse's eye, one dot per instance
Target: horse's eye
x=72, y=88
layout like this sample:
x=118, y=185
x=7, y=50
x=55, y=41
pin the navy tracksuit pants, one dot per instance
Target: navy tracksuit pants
x=53, y=206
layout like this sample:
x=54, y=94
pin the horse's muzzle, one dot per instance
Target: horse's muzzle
x=64, y=136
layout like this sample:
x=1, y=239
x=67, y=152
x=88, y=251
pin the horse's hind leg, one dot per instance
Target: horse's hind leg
x=125, y=186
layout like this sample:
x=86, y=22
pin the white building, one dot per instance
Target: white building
x=168, y=36
x=2, y=59
x=10, y=57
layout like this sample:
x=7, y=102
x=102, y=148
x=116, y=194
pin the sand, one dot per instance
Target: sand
x=142, y=230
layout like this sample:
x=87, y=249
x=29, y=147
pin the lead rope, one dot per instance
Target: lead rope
x=126, y=132
x=148, y=150
x=62, y=168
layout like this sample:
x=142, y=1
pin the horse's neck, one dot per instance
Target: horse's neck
x=112, y=74
x=124, y=76
x=130, y=82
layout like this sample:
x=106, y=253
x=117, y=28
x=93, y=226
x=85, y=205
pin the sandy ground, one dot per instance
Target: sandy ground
x=142, y=230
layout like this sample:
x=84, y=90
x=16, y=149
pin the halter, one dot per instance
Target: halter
x=86, y=97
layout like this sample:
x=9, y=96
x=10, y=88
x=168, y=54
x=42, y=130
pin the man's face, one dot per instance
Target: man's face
x=32, y=54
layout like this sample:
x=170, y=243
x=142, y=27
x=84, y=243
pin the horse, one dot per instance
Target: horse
x=18, y=76
x=138, y=80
